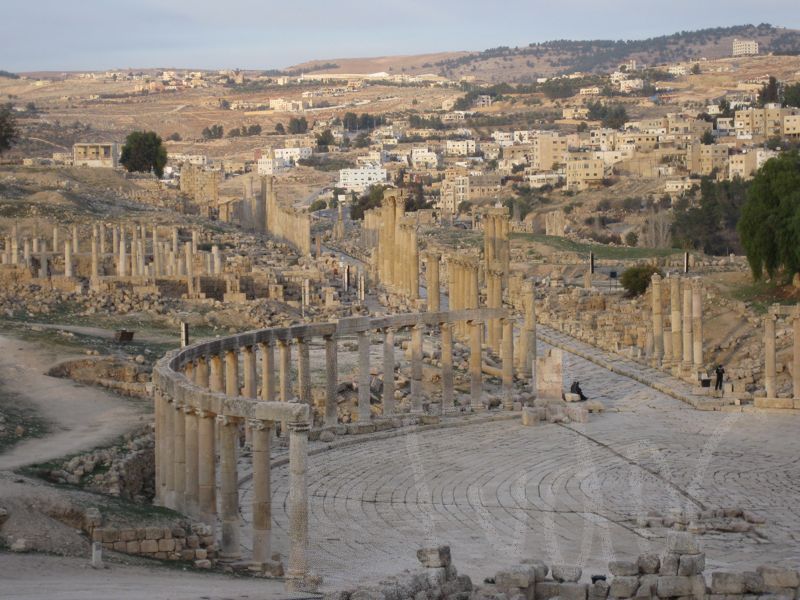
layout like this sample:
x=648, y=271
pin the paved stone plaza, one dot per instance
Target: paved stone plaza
x=498, y=492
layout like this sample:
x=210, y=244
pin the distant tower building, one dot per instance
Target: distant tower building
x=745, y=47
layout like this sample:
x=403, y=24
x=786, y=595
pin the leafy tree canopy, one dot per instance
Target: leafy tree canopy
x=770, y=223
x=144, y=152
x=9, y=133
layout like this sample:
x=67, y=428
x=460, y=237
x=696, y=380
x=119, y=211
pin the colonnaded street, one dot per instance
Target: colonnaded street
x=498, y=492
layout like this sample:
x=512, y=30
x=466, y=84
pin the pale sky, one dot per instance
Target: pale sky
x=56, y=35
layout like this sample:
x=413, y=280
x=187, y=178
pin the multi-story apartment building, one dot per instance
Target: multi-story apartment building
x=744, y=47
x=293, y=154
x=358, y=180
x=767, y=121
x=549, y=149
x=423, y=158
x=745, y=165
x=454, y=190
x=459, y=147
x=704, y=159
x=96, y=155
x=584, y=171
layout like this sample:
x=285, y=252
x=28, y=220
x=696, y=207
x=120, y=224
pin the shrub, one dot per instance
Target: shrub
x=636, y=279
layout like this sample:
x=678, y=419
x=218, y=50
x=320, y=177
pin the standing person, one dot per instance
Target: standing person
x=720, y=372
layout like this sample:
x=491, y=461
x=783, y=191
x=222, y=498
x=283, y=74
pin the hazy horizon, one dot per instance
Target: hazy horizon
x=108, y=34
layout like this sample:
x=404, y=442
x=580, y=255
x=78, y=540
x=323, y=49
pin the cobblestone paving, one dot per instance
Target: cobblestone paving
x=498, y=492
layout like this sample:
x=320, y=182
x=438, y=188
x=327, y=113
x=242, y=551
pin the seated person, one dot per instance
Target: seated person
x=575, y=388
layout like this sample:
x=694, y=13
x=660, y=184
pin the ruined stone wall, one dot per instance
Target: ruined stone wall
x=286, y=223
x=202, y=186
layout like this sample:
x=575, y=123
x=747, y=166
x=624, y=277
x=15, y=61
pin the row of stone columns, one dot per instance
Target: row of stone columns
x=682, y=346
x=770, y=352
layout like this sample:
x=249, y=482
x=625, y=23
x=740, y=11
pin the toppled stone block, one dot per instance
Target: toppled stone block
x=544, y=590
x=515, y=578
x=566, y=573
x=624, y=586
x=569, y=397
x=573, y=591
x=681, y=542
x=672, y=586
x=577, y=414
x=434, y=557
x=623, y=568
x=648, y=564
x=594, y=406
x=727, y=583
x=691, y=564
x=753, y=582
x=777, y=577
x=598, y=590
x=647, y=586
x=539, y=567
x=669, y=564
x=530, y=416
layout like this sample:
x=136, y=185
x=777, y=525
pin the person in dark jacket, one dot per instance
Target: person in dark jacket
x=575, y=388
x=720, y=373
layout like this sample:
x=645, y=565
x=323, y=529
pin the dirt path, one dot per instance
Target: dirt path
x=79, y=417
x=57, y=578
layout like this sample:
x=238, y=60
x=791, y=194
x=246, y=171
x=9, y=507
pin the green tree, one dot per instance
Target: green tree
x=254, y=129
x=362, y=140
x=279, y=129
x=791, y=95
x=632, y=239
x=373, y=198
x=317, y=205
x=635, y=280
x=770, y=92
x=298, y=125
x=9, y=134
x=326, y=139
x=707, y=138
x=770, y=223
x=174, y=137
x=143, y=152
x=696, y=69
x=215, y=132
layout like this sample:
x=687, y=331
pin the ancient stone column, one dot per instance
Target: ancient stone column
x=267, y=372
x=388, y=372
x=191, y=501
x=75, y=248
x=364, y=412
x=179, y=457
x=229, y=496
x=447, y=367
x=796, y=353
x=416, y=367
x=43, y=266
x=687, y=350
x=675, y=307
x=175, y=240
x=55, y=238
x=432, y=274
x=67, y=260
x=262, y=498
x=413, y=263
x=157, y=272
x=297, y=502
x=95, y=272
x=250, y=387
x=159, y=404
x=189, y=257
x=14, y=250
x=122, y=260
x=195, y=239
x=102, y=236
x=26, y=252
x=201, y=373
x=284, y=360
x=168, y=454
x=331, y=381
x=231, y=373
x=658, y=319
x=217, y=258
x=217, y=379
x=207, y=467
x=507, y=352
x=476, y=382
x=528, y=335
x=697, y=323
x=304, y=370
x=770, y=377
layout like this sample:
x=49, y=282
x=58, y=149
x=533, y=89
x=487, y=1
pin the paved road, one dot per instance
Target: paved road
x=498, y=492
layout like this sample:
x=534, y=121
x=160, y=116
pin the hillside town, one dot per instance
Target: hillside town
x=427, y=332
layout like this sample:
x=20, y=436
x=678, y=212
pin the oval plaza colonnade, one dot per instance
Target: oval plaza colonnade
x=202, y=397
